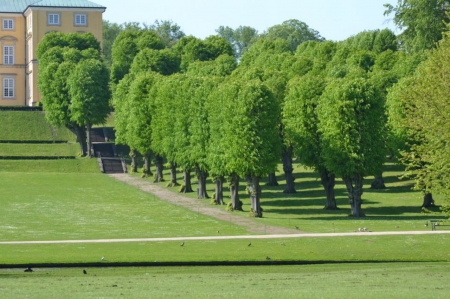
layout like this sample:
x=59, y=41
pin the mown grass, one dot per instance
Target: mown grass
x=42, y=149
x=367, y=248
x=399, y=280
x=30, y=125
x=66, y=206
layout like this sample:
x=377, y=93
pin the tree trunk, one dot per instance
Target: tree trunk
x=133, y=161
x=328, y=182
x=89, y=141
x=147, y=171
x=254, y=191
x=218, y=195
x=173, y=175
x=354, y=188
x=272, y=180
x=378, y=182
x=81, y=137
x=187, y=181
x=234, y=192
x=201, y=176
x=159, y=169
x=428, y=200
x=288, y=169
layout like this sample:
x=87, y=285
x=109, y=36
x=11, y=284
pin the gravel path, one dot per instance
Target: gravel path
x=248, y=237
x=201, y=206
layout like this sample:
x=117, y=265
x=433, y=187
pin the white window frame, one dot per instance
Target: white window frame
x=80, y=19
x=8, y=24
x=8, y=91
x=51, y=19
x=8, y=55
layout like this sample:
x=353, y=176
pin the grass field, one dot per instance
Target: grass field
x=398, y=280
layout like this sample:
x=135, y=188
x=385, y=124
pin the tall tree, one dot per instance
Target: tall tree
x=351, y=121
x=90, y=95
x=422, y=21
x=241, y=38
x=294, y=32
x=59, y=54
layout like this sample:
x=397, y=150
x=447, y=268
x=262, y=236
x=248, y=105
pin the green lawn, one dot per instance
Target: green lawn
x=28, y=167
x=42, y=149
x=60, y=206
x=398, y=280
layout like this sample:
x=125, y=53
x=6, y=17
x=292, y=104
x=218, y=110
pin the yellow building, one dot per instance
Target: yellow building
x=23, y=25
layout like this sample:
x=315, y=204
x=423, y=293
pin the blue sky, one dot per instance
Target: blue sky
x=334, y=19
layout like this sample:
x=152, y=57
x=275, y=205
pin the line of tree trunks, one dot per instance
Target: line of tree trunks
x=187, y=181
x=354, y=188
x=234, y=192
x=288, y=170
x=254, y=190
x=173, y=175
x=328, y=181
x=159, y=169
x=201, y=176
x=218, y=195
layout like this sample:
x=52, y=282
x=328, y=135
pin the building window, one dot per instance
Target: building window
x=8, y=54
x=8, y=24
x=80, y=19
x=53, y=19
x=8, y=88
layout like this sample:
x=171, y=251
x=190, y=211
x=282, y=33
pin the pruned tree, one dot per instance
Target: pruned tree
x=351, y=121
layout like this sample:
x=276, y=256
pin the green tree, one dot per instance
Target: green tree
x=301, y=122
x=169, y=32
x=253, y=147
x=90, y=95
x=351, y=121
x=60, y=56
x=294, y=32
x=422, y=21
x=241, y=38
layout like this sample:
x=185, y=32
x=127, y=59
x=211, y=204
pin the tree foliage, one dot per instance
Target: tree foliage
x=422, y=21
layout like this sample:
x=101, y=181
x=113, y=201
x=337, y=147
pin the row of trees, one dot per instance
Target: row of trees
x=231, y=106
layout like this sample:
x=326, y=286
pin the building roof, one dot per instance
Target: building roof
x=19, y=6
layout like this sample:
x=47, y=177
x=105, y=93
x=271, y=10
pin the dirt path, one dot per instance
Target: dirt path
x=200, y=206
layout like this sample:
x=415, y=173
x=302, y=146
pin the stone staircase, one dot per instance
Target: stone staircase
x=106, y=154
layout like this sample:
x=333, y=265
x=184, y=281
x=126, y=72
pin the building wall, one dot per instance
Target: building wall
x=12, y=38
x=29, y=30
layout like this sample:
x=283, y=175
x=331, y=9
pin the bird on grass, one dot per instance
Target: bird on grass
x=218, y=232
x=249, y=244
x=296, y=227
x=182, y=244
x=267, y=258
x=103, y=258
x=282, y=244
x=28, y=270
x=84, y=272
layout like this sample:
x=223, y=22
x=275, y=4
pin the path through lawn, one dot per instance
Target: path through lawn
x=199, y=206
